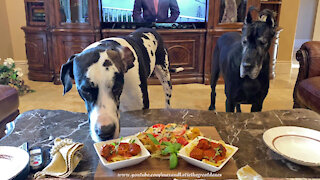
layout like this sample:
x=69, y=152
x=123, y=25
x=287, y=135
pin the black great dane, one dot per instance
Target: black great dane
x=111, y=75
x=243, y=60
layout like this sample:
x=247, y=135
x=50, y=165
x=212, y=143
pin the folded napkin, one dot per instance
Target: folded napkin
x=65, y=158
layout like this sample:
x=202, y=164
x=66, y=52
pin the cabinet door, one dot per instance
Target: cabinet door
x=185, y=49
x=36, y=48
x=37, y=55
x=76, y=13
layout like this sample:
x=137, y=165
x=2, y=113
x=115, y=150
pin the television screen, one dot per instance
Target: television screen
x=149, y=11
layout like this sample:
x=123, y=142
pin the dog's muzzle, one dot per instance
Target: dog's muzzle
x=105, y=132
x=104, y=128
x=249, y=70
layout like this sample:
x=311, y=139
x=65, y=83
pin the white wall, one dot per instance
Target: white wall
x=316, y=31
x=306, y=20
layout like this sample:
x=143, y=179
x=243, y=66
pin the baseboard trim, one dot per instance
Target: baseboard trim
x=21, y=62
x=283, y=62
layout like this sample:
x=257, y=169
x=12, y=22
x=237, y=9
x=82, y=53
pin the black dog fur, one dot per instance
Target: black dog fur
x=244, y=63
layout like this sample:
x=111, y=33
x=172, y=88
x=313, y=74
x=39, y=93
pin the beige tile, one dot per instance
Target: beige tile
x=191, y=96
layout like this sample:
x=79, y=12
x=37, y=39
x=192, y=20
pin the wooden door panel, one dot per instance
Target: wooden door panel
x=36, y=52
x=181, y=53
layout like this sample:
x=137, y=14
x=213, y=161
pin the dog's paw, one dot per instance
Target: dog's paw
x=211, y=108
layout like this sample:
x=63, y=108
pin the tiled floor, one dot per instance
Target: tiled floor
x=192, y=96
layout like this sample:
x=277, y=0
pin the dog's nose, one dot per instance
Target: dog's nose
x=106, y=132
x=247, y=66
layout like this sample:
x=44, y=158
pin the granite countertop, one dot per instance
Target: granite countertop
x=244, y=130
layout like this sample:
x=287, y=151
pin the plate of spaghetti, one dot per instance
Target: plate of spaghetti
x=120, y=153
x=207, y=154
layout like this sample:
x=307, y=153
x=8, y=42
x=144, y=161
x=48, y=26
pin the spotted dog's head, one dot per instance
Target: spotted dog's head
x=99, y=76
x=256, y=41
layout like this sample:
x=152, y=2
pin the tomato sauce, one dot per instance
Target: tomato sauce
x=208, y=150
x=108, y=151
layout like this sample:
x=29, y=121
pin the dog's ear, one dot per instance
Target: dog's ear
x=127, y=58
x=112, y=54
x=268, y=16
x=248, y=19
x=270, y=21
x=66, y=75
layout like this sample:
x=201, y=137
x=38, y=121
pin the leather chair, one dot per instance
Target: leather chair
x=9, y=104
x=307, y=88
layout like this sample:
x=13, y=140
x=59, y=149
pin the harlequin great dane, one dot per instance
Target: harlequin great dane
x=111, y=75
x=244, y=63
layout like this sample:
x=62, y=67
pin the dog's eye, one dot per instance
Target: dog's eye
x=85, y=92
x=244, y=41
x=263, y=42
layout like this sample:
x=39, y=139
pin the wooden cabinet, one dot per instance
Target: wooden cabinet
x=57, y=29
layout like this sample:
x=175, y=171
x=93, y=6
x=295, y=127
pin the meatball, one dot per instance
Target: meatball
x=214, y=145
x=134, y=149
x=123, y=149
x=209, y=154
x=107, y=151
x=222, y=153
x=196, y=153
x=203, y=144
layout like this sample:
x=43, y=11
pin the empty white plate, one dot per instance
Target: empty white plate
x=13, y=160
x=297, y=144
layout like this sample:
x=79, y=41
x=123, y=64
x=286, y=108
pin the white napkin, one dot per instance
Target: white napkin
x=65, y=158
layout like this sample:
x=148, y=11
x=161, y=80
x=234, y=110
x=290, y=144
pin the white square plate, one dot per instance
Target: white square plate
x=125, y=163
x=184, y=154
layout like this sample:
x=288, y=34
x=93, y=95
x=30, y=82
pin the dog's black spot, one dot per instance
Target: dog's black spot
x=117, y=86
x=154, y=42
x=89, y=93
x=170, y=85
x=168, y=101
x=152, y=54
x=168, y=95
x=107, y=63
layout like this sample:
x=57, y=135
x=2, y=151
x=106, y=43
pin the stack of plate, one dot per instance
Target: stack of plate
x=14, y=163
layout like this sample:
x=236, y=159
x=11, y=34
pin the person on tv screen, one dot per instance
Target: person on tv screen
x=155, y=11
